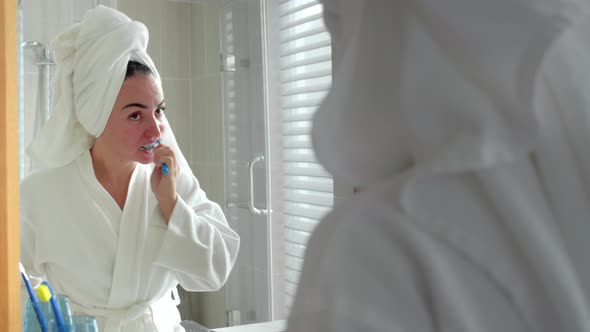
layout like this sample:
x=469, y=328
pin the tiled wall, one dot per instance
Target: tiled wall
x=207, y=129
x=184, y=44
x=42, y=20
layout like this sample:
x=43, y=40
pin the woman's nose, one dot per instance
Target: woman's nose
x=154, y=128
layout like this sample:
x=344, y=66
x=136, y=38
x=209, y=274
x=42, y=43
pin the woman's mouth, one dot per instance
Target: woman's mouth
x=150, y=147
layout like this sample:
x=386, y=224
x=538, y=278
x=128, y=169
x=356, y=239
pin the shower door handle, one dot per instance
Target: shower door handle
x=251, y=205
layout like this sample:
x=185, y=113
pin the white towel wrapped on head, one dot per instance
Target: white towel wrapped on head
x=91, y=59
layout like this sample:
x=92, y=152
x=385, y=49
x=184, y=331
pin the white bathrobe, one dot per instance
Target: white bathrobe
x=467, y=124
x=121, y=266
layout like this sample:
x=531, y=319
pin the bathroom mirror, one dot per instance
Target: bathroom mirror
x=242, y=79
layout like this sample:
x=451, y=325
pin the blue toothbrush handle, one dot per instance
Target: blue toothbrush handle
x=35, y=304
x=165, y=170
x=58, y=317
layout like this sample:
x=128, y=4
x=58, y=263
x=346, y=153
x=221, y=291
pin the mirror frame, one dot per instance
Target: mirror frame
x=9, y=176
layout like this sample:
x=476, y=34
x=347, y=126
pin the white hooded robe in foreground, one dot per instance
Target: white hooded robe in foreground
x=467, y=124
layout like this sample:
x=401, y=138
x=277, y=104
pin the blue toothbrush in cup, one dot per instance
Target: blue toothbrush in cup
x=34, y=300
x=46, y=294
x=150, y=147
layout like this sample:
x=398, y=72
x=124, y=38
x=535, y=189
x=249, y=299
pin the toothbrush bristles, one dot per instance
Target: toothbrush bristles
x=151, y=146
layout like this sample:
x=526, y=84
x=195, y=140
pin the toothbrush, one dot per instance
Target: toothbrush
x=46, y=293
x=150, y=147
x=34, y=301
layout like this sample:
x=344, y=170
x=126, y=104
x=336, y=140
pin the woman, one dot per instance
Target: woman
x=467, y=125
x=102, y=220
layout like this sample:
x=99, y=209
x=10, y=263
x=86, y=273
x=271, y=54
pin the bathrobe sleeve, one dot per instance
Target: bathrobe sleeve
x=27, y=250
x=199, y=245
x=30, y=190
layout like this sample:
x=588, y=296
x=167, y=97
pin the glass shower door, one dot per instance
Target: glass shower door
x=246, y=160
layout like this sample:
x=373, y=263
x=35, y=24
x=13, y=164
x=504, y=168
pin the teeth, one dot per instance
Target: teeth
x=150, y=147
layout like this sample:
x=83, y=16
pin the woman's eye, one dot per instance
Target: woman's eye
x=134, y=116
x=159, y=111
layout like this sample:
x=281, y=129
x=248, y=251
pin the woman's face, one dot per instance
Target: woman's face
x=137, y=119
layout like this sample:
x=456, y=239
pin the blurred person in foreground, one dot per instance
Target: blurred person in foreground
x=467, y=124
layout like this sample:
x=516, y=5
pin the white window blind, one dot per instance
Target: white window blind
x=305, y=75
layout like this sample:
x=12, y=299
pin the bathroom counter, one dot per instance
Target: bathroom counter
x=272, y=326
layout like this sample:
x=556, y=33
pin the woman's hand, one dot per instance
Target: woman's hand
x=164, y=186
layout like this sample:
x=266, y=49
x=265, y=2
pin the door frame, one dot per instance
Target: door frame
x=9, y=177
